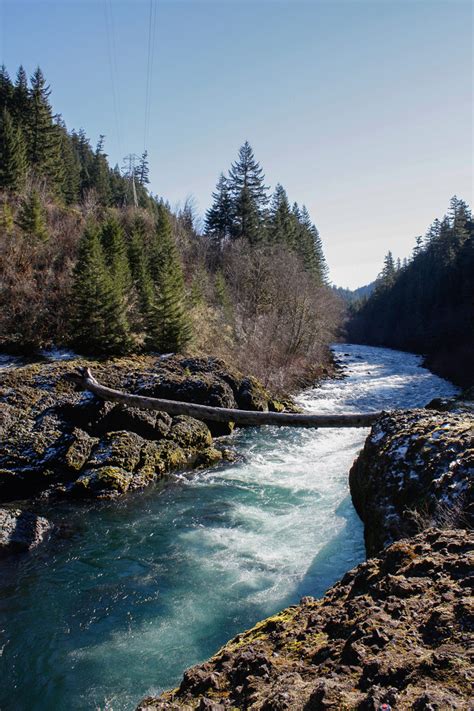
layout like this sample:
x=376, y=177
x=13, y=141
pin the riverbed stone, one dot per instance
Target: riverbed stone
x=21, y=531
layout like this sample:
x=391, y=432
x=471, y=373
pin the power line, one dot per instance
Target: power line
x=110, y=28
x=149, y=70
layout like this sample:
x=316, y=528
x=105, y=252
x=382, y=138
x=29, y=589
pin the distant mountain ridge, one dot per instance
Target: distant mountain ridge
x=350, y=296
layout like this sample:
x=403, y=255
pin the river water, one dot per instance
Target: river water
x=149, y=585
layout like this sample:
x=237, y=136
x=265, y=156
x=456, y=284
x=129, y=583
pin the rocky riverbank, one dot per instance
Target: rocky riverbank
x=395, y=629
x=58, y=441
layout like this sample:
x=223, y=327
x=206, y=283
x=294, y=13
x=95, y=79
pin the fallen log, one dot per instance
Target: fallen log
x=86, y=380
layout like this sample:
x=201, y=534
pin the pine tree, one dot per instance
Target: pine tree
x=99, y=173
x=6, y=89
x=21, y=102
x=310, y=247
x=115, y=254
x=143, y=170
x=281, y=227
x=141, y=278
x=72, y=171
x=249, y=195
x=168, y=327
x=218, y=225
x=99, y=323
x=31, y=218
x=43, y=134
x=13, y=165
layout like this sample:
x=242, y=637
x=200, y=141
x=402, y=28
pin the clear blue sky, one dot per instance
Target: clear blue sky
x=362, y=109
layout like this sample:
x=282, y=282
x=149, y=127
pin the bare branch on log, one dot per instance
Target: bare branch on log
x=86, y=380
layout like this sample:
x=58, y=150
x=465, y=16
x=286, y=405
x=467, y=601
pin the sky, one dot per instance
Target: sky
x=361, y=109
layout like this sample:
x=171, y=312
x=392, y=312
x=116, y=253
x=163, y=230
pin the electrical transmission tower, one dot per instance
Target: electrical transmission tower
x=129, y=171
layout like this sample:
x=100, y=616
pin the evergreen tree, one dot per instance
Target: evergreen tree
x=99, y=173
x=7, y=223
x=21, y=102
x=282, y=228
x=115, y=254
x=249, y=195
x=168, y=327
x=72, y=171
x=31, y=217
x=44, y=137
x=6, y=89
x=99, y=323
x=310, y=247
x=141, y=278
x=13, y=165
x=219, y=217
x=143, y=170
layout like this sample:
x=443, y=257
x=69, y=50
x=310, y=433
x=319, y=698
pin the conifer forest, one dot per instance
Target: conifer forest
x=92, y=261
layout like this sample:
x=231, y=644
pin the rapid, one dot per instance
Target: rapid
x=144, y=587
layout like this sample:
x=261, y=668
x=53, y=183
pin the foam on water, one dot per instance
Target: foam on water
x=152, y=584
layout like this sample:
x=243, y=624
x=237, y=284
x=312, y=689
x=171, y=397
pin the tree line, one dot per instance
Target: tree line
x=425, y=304
x=34, y=142
x=85, y=265
x=242, y=208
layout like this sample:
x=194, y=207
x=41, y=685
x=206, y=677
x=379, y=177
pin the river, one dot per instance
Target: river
x=149, y=585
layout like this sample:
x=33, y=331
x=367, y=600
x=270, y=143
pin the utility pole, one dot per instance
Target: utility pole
x=128, y=171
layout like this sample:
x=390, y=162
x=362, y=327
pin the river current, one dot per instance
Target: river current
x=149, y=585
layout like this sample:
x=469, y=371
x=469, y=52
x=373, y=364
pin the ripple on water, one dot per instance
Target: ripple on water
x=152, y=584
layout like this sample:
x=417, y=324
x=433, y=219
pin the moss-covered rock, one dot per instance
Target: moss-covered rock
x=53, y=435
x=416, y=470
x=21, y=531
x=105, y=481
x=394, y=630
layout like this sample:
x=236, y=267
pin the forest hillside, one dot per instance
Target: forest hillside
x=91, y=260
x=426, y=304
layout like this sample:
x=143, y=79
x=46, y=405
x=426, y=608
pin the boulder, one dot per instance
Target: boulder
x=57, y=439
x=415, y=471
x=21, y=531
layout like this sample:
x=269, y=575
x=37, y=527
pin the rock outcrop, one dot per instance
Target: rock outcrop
x=395, y=630
x=416, y=470
x=57, y=439
x=21, y=531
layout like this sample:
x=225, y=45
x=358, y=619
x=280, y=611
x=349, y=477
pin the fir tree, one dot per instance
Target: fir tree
x=168, y=327
x=143, y=170
x=219, y=217
x=6, y=89
x=44, y=137
x=100, y=323
x=31, y=217
x=115, y=254
x=282, y=228
x=249, y=195
x=99, y=173
x=13, y=165
x=21, y=102
x=72, y=171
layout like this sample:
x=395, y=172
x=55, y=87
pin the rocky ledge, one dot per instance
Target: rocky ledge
x=395, y=630
x=415, y=471
x=56, y=439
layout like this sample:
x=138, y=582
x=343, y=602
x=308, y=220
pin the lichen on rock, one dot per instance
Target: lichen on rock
x=58, y=439
x=415, y=471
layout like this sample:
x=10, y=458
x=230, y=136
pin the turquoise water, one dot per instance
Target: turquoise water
x=147, y=586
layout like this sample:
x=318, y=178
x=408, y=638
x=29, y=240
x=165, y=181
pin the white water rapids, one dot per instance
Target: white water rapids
x=158, y=581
